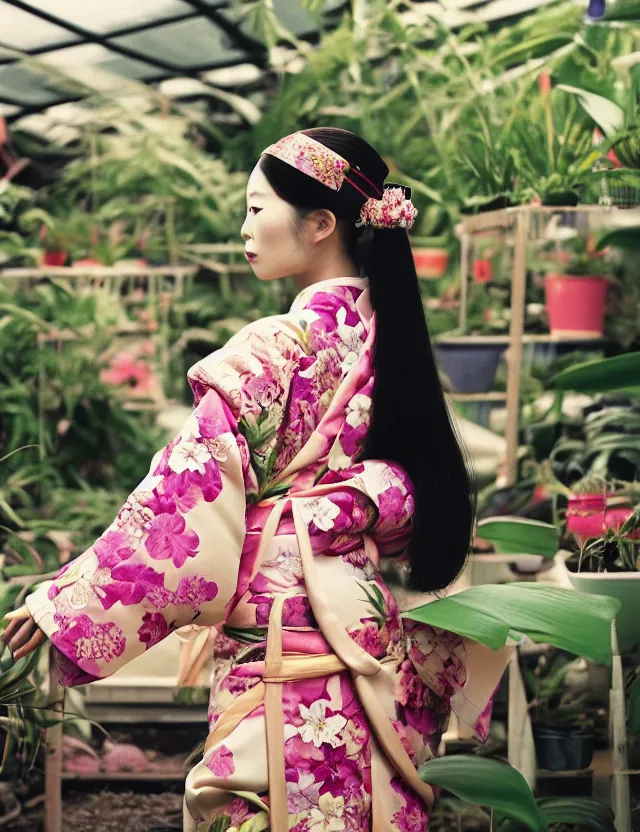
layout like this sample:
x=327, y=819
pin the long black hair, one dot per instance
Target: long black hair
x=410, y=421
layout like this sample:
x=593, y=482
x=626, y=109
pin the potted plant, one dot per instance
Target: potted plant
x=602, y=519
x=489, y=248
x=575, y=284
x=523, y=544
x=470, y=361
x=561, y=717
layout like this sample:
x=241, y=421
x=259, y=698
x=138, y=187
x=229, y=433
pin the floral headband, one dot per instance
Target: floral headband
x=392, y=209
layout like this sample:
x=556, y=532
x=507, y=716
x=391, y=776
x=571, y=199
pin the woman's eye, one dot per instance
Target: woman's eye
x=254, y=210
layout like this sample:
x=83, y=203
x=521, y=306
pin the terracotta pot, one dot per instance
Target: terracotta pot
x=430, y=263
x=575, y=305
x=54, y=258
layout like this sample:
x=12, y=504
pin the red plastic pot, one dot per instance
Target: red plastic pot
x=575, y=305
x=482, y=270
x=431, y=263
x=588, y=516
x=54, y=258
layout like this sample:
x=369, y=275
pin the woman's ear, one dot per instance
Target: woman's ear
x=322, y=224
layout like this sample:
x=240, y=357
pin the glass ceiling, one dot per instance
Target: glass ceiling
x=182, y=45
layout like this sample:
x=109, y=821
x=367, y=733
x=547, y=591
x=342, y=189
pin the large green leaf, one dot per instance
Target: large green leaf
x=606, y=114
x=627, y=238
x=633, y=709
x=517, y=535
x=489, y=614
x=601, y=375
x=585, y=813
x=487, y=783
x=622, y=10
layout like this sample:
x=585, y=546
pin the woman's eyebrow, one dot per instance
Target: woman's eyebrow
x=255, y=193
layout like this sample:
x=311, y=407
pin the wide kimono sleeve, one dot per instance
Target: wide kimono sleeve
x=171, y=557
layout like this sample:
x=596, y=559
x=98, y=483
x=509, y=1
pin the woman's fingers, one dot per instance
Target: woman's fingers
x=21, y=612
x=11, y=628
x=21, y=637
x=35, y=641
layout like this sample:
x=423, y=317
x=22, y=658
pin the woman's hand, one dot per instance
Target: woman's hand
x=22, y=635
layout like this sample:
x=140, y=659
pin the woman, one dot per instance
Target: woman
x=319, y=452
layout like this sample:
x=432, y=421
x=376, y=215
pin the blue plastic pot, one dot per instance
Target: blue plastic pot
x=559, y=749
x=471, y=368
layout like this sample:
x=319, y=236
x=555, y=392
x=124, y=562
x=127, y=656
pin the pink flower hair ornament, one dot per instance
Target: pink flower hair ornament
x=394, y=210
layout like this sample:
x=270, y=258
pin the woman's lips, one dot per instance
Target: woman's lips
x=250, y=256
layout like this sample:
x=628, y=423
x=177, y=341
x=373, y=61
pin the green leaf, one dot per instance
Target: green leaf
x=515, y=535
x=627, y=238
x=489, y=614
x=588, y=814
x=633, y=709
x=606, y=114
x=622, y=10
x=622, y=372
x=487, y=783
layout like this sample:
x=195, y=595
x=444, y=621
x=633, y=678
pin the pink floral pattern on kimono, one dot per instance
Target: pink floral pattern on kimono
x=280, y=415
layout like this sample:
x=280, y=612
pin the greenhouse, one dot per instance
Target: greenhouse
x=320, y=415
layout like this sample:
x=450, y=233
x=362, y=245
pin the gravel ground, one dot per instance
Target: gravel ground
x=110, y=812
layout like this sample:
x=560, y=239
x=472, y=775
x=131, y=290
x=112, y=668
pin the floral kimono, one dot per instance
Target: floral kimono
x=259, y=520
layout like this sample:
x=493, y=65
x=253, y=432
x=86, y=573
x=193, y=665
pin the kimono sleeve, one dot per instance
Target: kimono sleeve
x=461, y=672
x=171, y=557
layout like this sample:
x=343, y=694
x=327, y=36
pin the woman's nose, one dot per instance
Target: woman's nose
x=244, y=233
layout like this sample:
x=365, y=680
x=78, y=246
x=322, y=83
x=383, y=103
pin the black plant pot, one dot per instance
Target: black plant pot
x=563, y=749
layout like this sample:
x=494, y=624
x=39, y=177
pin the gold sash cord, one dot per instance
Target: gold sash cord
x=279, y=668
x=195, y=651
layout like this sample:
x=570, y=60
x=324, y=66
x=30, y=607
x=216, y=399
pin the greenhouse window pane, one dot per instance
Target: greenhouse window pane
x=21, y=30
x=189, y=43
x=20, y=84
x=93, y=55
x=290, y=13
x=116, y=14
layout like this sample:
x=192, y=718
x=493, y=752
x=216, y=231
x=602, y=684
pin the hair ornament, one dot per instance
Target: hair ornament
x=312, y=158
x=393, y=210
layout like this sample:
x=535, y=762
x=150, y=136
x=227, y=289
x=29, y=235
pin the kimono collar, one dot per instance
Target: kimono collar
x=363, y=304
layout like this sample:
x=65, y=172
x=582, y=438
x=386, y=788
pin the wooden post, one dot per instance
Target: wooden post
x=514, y=353
x=53, y=760
x=520, y=746
x=465, y=247
x=617, y=718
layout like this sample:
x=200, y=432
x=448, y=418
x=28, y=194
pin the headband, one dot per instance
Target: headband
x=390, y=209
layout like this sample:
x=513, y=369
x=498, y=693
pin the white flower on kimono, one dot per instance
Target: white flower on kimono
x=304, y=794
x=218, y=448
x=189, y=455
x=327, y=816
x=318, y=727
x=351, y=340
x=322, y=512
x=358, y=410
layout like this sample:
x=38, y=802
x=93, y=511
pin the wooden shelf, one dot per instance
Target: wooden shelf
x=505, y=339
x=120, y=776
x=493, y=396
x=154, y=713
